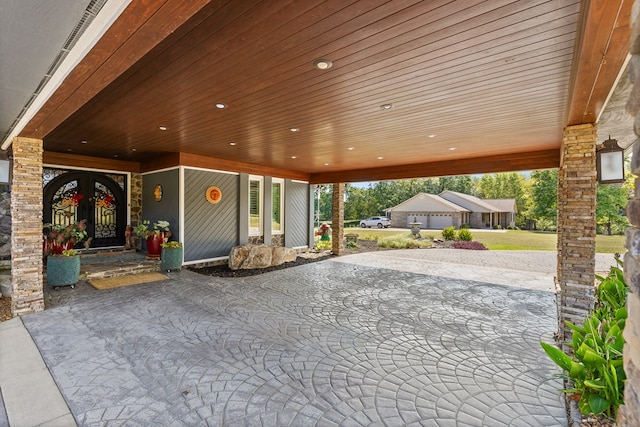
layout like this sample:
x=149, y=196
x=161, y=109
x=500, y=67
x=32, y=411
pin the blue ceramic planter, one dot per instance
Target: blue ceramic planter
x=63, y=270
x=171, y=258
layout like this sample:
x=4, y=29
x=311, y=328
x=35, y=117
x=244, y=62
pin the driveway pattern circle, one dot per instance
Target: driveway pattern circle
x=323, y=344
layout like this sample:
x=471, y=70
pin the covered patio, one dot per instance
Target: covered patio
x=261, y=100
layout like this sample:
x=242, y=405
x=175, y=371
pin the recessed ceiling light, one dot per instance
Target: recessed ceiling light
x=232, y=143
x=69, y=149
x=84, y=141
x=163, y=128
x=294, y=129
x=134, y=149
x=453, y=148
x=350, y=148
x=326, y=164
x=432, y=136
x=293, y=157
x=220, y=105
x=115, y=155
x=386, y=106
x=380, y=158
x=322, y=64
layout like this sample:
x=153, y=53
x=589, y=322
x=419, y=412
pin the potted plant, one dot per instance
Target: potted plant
x=63, y=262
x=172, y=255
x=155, y=234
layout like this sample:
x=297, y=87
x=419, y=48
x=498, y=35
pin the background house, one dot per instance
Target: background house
x=450, y=208
x=431, y=210
x=485, y=213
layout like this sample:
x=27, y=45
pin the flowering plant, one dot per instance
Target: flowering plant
x=60, y=238
x=146, y=229
x=171, y=244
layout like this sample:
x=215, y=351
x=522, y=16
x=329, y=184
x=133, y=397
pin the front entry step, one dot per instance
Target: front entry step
x=102, y=264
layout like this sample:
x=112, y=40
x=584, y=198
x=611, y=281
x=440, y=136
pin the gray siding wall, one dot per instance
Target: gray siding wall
x=168, y=208
x=297, y=214
x=211, y=230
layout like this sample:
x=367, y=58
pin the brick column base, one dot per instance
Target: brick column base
x=576, y=226
x=337, y=219
x=26, y=227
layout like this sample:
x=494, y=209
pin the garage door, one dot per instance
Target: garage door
x=440, y=221
x=422, y=219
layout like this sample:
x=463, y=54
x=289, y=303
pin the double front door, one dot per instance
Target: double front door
x=99, y=198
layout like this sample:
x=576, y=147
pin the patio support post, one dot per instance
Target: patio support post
x=27, y=294
x=629, y=414
x=337, y=219
x=576, y=226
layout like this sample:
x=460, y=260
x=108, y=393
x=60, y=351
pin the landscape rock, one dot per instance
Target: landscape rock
x=259, y=256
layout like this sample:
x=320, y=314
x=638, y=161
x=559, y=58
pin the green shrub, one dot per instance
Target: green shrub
x=465, y=235
x=497, y=227
x=544, y=224
x=465, y=226
x=403, y=241
x=596, y=368
x=352, y=245
x=322, y=245
x=449, y=233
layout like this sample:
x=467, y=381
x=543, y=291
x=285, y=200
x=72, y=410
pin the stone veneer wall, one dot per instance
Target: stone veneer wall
x=277, y=240
x=629, y=414
x=136, y=207
x=26, y=229
x=5, y=221
x=337, y=219
x=256, y=240
x=576, y=226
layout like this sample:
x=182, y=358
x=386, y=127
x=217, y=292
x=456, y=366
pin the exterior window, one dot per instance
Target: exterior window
x=277, y=206
x=255, y=206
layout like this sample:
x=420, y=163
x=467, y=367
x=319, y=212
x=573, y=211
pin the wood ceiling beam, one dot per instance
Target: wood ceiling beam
x=74, y=160
x=141, y=27
x=601, y=51
x=545, y=159
x=191, y=160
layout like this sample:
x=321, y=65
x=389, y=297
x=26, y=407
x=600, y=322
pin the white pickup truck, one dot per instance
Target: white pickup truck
x=375, y=221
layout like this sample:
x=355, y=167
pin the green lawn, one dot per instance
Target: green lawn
x=509, y=240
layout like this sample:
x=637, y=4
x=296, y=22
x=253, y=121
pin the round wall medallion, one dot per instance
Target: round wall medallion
x=213, y=194
x=157, y=192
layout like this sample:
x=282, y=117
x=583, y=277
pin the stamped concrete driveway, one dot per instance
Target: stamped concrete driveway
x=334, y=343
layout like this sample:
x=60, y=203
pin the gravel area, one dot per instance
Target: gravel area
x=5, y=309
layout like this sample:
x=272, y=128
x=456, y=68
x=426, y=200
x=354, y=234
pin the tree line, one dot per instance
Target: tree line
x=535, y=194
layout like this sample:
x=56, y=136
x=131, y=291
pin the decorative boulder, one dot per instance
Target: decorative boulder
x=280, y=255
x=246, y=257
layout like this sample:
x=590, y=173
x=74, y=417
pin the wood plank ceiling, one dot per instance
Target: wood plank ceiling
x=474, y=86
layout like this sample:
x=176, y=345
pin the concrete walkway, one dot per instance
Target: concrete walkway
x=415, y=339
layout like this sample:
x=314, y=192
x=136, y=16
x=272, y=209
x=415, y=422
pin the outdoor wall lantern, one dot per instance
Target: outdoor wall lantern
x=610, y=162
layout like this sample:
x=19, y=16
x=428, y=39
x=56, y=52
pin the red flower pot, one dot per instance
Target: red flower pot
x=153, y=246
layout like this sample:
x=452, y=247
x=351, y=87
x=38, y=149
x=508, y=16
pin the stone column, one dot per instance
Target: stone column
x=576, y=225
x=629, y=413
x=337, y=219
x=26, y=227
x=136, y=206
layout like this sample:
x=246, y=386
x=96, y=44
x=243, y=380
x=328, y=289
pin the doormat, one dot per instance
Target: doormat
x=130, y=279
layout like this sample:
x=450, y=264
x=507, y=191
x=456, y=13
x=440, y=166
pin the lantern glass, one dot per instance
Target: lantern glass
x=611, y=166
